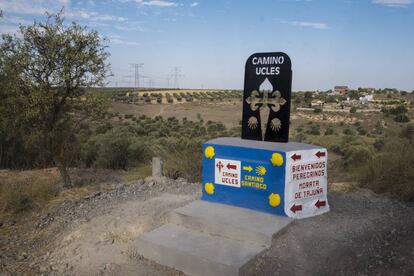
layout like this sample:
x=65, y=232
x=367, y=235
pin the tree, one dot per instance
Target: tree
x=51, y=65
x=354, y=94
x=308, y=97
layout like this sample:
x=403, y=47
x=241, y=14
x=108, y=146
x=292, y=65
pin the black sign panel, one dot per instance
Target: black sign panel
x=266, y=99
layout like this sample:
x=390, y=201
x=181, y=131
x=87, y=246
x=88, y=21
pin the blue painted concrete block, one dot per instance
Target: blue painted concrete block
x=288, y=179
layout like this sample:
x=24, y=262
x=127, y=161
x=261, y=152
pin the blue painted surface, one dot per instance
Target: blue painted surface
x=247, y=197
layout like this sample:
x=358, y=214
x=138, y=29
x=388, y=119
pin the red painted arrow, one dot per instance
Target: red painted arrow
x=296, y=208
x=296, y=157
x=229, y=166
x=320, y=204
x=319, y=154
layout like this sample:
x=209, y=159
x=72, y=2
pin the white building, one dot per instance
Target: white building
x=366, y=99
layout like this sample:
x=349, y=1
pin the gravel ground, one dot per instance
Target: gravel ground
x=48, y=243
x=364, y=234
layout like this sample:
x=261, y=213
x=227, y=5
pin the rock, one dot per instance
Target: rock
x=93, y=195
x=107, y=266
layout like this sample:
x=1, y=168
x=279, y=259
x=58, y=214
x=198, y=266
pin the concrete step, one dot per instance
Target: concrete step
x=196, y=253
x=229, y=221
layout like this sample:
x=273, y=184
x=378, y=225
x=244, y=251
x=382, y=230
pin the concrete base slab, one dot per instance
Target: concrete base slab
x=207, y=238
x=196, y=253
x=229, y=221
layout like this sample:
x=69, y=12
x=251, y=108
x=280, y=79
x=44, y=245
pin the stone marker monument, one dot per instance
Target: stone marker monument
x=251, y=187
x=266, y=98
x=263, y=171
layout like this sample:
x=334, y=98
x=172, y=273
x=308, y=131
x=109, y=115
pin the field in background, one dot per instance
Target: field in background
x=229, y=113
x=168, y=96
x=357, y=141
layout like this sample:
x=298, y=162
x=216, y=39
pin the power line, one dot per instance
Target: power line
x=176, y=74
x=168, y=78
x=136, y=67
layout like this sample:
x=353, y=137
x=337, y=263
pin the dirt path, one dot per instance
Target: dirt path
x=364, y=234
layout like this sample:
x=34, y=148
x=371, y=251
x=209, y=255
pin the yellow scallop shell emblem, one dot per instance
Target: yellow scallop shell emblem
x=260, y=170
x=209, y=188
x=277, y=159
x=209, y=152
x=274, y=200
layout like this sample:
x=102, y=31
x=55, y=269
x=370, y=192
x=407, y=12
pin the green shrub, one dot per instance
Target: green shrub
x=401, y=118
x=356, y=155
x=138, y=152
x=401, y=109
x=214, y=127
x=344, y=144
x=353, y=109
x=113, y=152
x=349, y=131
x=103, y=128
x=314, y=130
x=329, y=131
x=89, y=152
x=362, y=131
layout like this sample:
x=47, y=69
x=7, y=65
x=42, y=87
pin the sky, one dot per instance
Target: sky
x=359, y=43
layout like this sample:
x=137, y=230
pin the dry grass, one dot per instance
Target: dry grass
x=140, y=172
x=182, y=159
x=23, y=191
x=34, y=189
x=390, y=170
